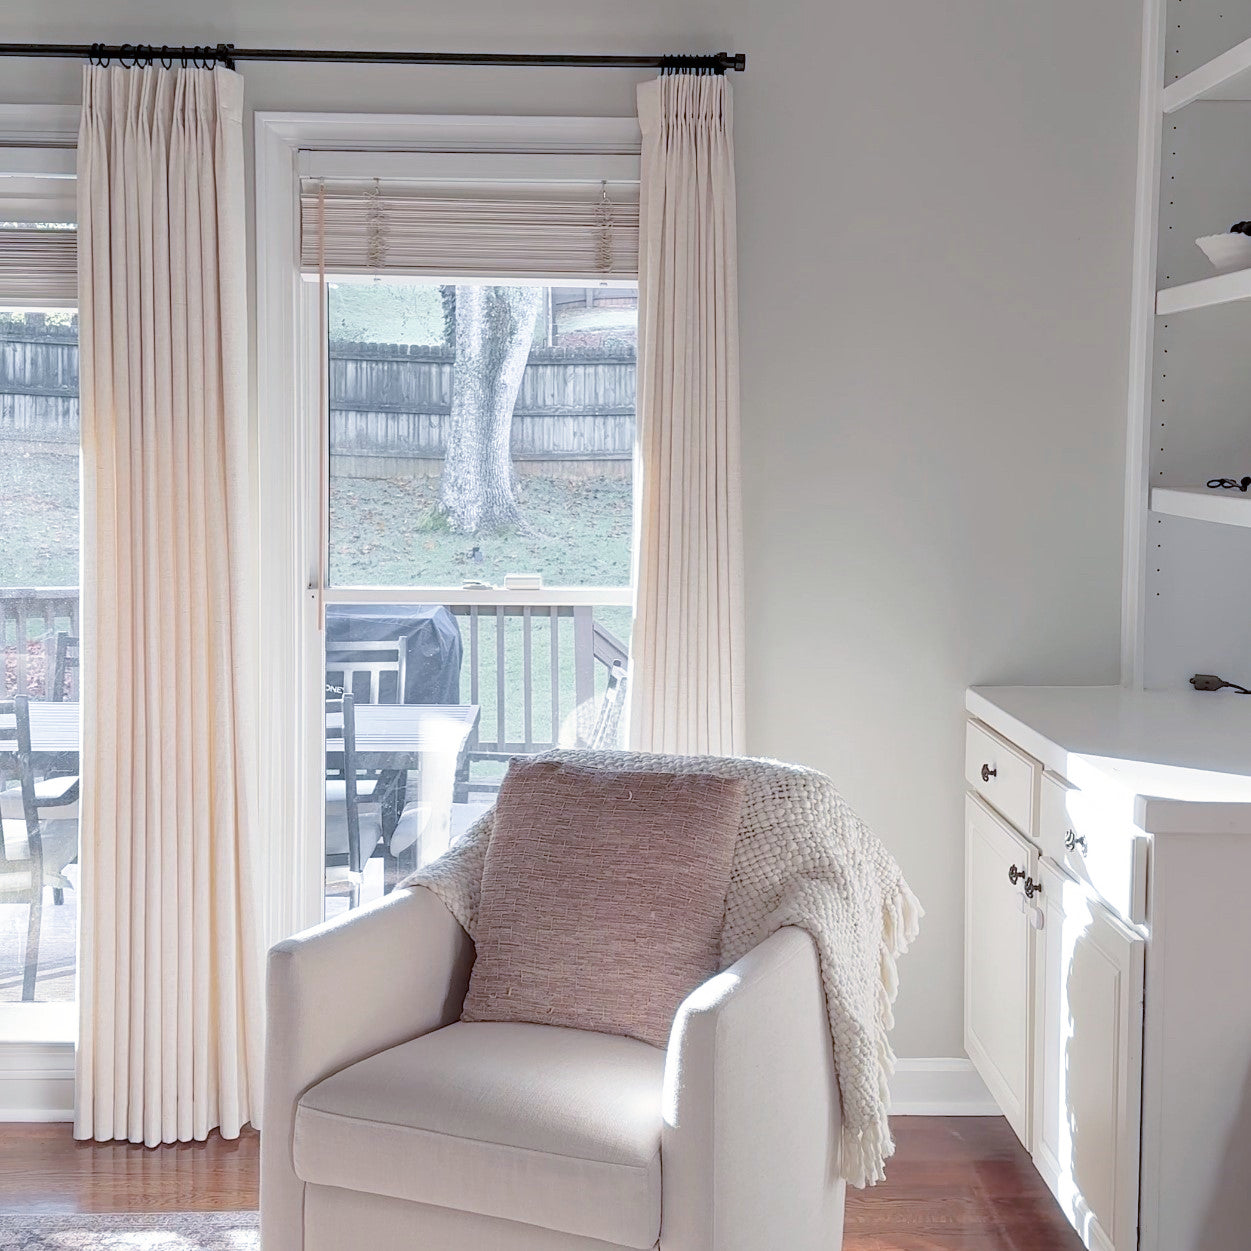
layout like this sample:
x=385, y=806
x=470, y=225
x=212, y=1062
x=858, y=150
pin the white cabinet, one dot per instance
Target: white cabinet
x=1054, y=988
x=1087, y=1061
x=998, y=960
x=1110, y=1012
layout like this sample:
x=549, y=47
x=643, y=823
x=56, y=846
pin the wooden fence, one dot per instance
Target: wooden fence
x=389, y=404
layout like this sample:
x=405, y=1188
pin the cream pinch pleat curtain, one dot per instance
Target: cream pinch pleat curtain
x=686, y=668
x=169, y=964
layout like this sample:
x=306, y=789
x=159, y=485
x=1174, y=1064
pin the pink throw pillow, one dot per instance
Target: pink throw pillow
x=602, y=897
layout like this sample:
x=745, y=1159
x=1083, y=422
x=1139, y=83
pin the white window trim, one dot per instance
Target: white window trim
x=292, y=702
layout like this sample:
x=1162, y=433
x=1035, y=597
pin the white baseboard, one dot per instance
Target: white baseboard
x=36, y=1081
x=940, y=1086
x=37, y=1084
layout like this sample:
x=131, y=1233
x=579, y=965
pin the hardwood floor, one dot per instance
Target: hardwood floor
x=955, y=1184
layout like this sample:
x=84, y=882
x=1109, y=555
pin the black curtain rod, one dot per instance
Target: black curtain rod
x=227, y=54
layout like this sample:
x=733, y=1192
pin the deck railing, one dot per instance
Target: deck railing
x=537, y=671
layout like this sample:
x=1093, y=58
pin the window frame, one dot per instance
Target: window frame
x=293, y=589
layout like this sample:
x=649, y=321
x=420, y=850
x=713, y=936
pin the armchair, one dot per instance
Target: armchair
x=389, y=1123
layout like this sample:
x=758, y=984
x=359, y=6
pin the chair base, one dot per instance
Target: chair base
x=341, y=1220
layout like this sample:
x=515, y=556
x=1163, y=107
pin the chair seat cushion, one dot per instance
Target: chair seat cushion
x=369, y=821
x=59, y=840
x=553, y=1127
x=336, y=790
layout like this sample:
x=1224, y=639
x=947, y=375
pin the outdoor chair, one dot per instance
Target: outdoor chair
x=353, y=803
x=380, y=663
x=35, y=846
x=65, y=670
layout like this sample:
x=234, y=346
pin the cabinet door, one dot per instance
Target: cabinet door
x=998, y=960
x=1088, y=1062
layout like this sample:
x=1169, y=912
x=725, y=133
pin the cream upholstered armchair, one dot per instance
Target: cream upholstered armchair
x=390, y=1124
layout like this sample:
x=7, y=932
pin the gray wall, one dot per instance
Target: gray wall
x=936, y=204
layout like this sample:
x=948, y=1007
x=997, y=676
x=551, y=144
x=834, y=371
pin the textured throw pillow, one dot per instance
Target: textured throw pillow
x=602, y=897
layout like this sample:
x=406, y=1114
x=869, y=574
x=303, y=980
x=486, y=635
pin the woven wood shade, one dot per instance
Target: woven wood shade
x=513, y=230
x=38, y=266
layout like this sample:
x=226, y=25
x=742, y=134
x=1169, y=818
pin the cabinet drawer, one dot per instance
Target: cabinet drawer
x=1003, y=775
x=1095, y=847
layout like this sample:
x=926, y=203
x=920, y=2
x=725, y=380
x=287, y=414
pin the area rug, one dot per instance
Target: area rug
x=155, y=1231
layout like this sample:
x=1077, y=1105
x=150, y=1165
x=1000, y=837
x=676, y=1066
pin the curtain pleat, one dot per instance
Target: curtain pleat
x=687, y=680
x=169, y=963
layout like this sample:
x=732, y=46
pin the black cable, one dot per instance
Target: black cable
x=1210, y=682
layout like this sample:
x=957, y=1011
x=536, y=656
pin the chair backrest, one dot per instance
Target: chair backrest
x=341, y=739
x=66, y=667
x=608, y=723
x=15, y=764
x=380, y=662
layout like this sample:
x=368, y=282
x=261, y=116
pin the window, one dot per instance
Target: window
x=395, y=211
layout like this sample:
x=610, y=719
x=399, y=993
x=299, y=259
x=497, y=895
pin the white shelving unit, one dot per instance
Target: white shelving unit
x=1228, y=508
x=1187, y=596
x=1225, y=77
x=1205, y=292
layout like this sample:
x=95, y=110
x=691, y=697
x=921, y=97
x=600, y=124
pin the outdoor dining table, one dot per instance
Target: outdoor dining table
x=388, y=736
x=430, y=739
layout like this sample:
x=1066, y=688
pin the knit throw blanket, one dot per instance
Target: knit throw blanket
x=802, y=858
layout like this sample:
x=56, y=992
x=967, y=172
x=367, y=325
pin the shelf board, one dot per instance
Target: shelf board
x=1219, y=289
x=1226, y=77
x=1229, y=508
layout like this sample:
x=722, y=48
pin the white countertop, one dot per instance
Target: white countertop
x=1182, y=758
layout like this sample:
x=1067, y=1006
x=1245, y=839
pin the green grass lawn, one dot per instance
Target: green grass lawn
x=386, y=532
x=38, y=514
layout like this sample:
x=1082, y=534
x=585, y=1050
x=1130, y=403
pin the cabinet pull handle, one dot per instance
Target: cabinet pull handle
x=988, y=773
x=1032, y=888
x=1015, y=874
x=1073, y=840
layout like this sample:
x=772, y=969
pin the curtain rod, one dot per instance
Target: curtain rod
x=227, y=54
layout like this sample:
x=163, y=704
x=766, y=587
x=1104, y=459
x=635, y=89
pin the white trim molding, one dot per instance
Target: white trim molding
x=40, y=125
x=940, y=1086
x=36, y=1081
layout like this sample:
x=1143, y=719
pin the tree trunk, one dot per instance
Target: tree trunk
x=494, y=329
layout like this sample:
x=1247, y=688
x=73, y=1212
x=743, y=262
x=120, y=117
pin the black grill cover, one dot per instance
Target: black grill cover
x=431, y=638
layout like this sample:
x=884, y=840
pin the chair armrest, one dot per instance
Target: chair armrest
x=749, y=1147
x=338, y=993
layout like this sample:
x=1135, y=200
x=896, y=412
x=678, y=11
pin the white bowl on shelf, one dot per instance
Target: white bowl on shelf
x=1227, y=251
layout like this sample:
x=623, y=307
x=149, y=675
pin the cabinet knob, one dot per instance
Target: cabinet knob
x=1073, y=840
x=1032, y=888
x=1015, y=874
x=988, y=773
